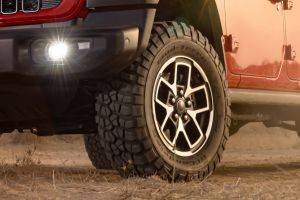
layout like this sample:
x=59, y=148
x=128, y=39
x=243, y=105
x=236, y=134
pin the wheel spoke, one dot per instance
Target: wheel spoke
x=164, y=105
x=157, y=100
x=169, y=111
x=175, y=77
x=193, y=115
x=172, y=87
x=190, y=90
x=188, y=85
x=187, y=138
x=167, y=117
x=180, y=128
x=199, y=111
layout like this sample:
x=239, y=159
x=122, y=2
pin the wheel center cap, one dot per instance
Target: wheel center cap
x=180, y=106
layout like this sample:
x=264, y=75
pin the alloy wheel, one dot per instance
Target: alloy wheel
x=183, y=106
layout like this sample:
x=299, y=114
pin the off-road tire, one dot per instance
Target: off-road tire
x=96, y=152
x=125, y=109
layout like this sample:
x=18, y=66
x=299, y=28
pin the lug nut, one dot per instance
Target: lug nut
x=181, y=92
x=173, y=100
x=186, y=117
x=189, y=103
x=176, y=116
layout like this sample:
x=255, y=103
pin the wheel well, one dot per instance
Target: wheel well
x=202, y=14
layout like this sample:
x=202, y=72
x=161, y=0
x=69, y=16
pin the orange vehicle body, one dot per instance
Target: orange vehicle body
x=262, y=29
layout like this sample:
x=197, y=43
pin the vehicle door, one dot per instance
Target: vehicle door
x=257, y=27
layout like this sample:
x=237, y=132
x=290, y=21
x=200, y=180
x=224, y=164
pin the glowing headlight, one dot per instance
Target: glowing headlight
x=58, y=51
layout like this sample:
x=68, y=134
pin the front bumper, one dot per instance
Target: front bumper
x=34, y=92
x=115, y=39
x=107, y=48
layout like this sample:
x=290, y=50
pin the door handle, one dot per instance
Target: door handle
x=289, y=53
x=287, y=4
x=231, y=44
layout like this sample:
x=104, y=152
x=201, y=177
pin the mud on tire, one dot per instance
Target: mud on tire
x=134, y=144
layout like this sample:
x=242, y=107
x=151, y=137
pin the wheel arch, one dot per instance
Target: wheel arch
x=202, y=14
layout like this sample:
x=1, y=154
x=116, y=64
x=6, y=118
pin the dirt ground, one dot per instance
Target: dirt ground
x=259, y=163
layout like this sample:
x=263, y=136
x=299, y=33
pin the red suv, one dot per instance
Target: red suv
x=147, y=81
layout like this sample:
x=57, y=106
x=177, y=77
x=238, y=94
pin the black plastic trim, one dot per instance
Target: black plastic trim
x=264, y=97
x=108, y=3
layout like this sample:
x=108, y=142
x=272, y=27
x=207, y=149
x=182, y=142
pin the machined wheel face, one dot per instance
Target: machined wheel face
x=182, y=106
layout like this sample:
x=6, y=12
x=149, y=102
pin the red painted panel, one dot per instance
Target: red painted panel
x=257, y=25
x=233, y=79
x=281, y=83
x=293, y=38
x=259, y=29
x=68, y=9
x=293, y=70
x=257, y=55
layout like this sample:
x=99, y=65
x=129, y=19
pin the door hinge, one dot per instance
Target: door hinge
x=289, y=53
x=231, y=45
x=287, y=4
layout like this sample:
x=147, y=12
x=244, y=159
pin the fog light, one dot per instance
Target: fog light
x=58, y=51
